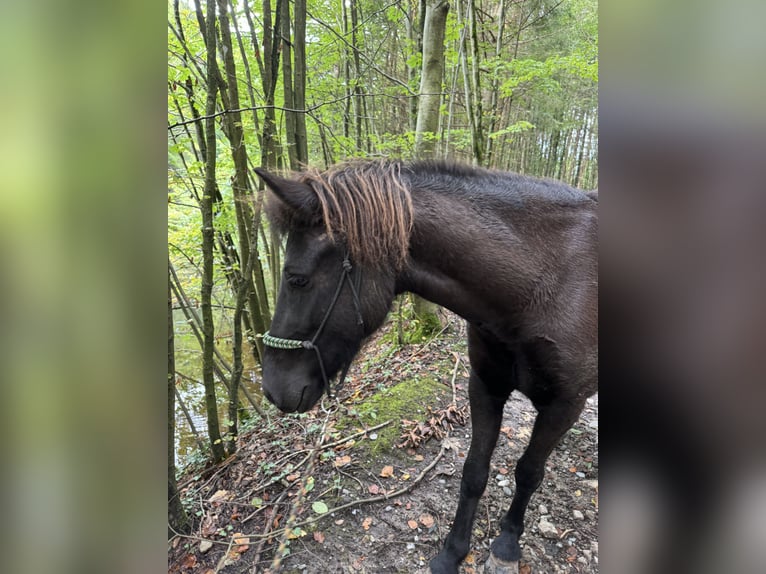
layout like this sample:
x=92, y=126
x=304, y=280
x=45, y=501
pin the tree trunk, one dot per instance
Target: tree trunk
x=299, y=85
x=208, y=238
x=432, y=74
x=270, y=151
x=429, y=101
x=177, y=519
x=241, y=183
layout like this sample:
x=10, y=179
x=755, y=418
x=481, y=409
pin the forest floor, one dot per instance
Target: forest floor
x=398, y=481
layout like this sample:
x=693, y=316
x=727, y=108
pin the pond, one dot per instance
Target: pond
x=191, y=426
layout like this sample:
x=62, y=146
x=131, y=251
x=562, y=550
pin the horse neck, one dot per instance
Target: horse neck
x=467, y=260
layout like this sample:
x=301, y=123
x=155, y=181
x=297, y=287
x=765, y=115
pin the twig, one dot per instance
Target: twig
x=299, y=498
x=370, y=500
x=222, y=561
x=454, y=375
x=308, y=455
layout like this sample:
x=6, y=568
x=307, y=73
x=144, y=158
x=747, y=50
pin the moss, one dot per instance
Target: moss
x=406, y=401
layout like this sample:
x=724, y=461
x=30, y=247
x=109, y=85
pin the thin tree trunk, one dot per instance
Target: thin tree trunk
x=189, y=420
x=495, y=92
x=478, y=136
x=241, y=182
x=270, y=149
x=299, y=85
x=429, y=99
x=358, y=113
x=178, y=521
x=287, y=85
x=208, y=238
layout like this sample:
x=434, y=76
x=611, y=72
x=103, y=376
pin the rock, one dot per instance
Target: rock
x=580, y=474
x=547, y=530
x=590, y=514
x=578, y=515
x=582, y=560
x=499, y=477
x=410, y=546
x=508, y=491
x=543, y=509
x=205, y=545
x=588, y=555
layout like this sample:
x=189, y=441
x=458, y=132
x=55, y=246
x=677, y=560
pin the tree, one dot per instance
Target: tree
x=177, y=519
x=427, y=126
x=429, y=99
x=208, y=238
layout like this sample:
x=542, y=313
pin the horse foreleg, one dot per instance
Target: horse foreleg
x=550, y=425
x=486, y=416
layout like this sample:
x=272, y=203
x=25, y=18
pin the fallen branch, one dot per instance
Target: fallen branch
x=369, y=500
x=308, y=455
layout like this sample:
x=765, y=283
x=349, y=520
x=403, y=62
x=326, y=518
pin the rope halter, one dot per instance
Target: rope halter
x=310, y=344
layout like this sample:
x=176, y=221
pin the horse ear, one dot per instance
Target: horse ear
x=294, y=194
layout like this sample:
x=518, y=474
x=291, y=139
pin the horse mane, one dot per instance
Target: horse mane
x=364, y=204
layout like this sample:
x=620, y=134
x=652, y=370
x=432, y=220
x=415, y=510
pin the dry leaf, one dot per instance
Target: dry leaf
x=419, y=457
x=406, y=476
x=502, y=471
x=470, y=559
x=319, y=537
x=219, y=495
x=412, y=524
x=366, y=523
x=374, y=489
x=525, y=569
x=342, y=461
x=387, y=471
x=427, y=520
x=189, y=562
x=292, y=477
x=241, y=541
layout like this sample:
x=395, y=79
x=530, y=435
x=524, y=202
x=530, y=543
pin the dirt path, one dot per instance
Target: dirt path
x=399, y=535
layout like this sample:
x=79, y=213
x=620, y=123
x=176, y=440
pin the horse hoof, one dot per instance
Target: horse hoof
x=496, y=566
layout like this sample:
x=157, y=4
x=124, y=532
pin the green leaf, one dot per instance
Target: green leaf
x=319, y=507
x=257, y=502
x=309, y=484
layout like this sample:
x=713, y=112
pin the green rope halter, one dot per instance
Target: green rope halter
x=280, y=343
x=292, y=344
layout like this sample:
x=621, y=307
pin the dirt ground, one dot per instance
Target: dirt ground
x=400, y=534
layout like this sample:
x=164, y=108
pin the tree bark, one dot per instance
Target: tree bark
x=208, y=239
x=178, y=521
x=299, y=85
x=270, y=149
x=427, y=127
x=287, y=85
x=432, y=75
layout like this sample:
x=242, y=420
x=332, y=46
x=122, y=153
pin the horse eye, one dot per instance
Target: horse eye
x=298, y=280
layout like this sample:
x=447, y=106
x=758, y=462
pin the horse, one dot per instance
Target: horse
x=514, y=256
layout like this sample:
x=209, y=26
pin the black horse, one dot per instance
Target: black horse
x=515, y=256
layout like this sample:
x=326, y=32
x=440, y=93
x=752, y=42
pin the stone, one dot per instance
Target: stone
x=507, y=491
x=205, y=545
x=543, y=509
x=504, y=483
x=578, y=515
x=547, y=530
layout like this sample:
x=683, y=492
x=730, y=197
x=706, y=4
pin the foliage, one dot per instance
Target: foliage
x=538, y=72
